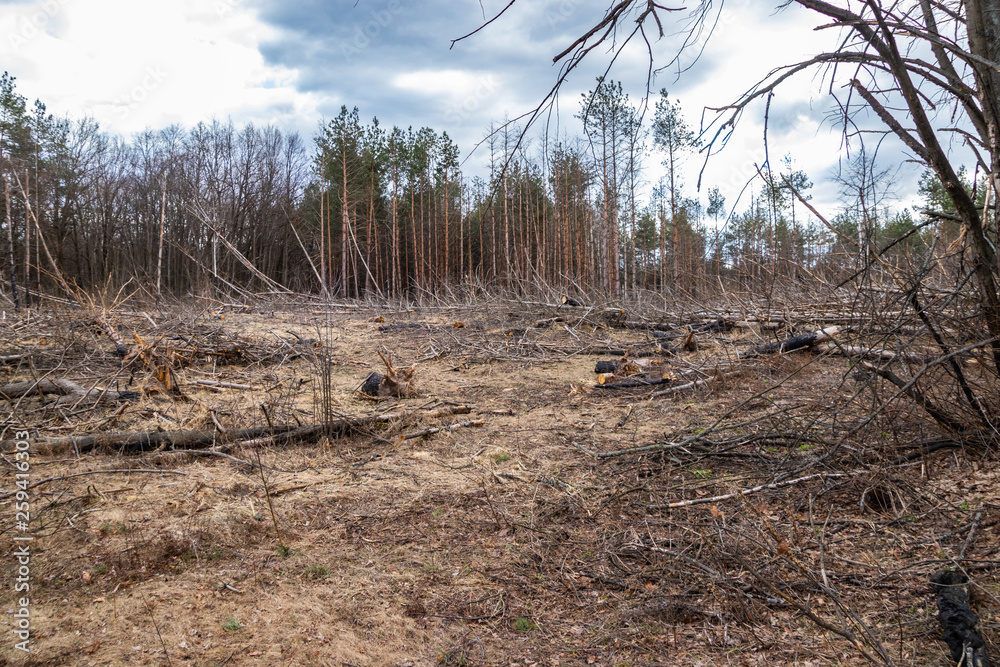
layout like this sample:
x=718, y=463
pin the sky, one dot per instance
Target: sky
x=136, y=64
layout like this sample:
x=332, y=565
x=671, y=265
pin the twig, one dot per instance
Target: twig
x=972, y=534
x=157, y=627
x=438, y=429
x=267, y=488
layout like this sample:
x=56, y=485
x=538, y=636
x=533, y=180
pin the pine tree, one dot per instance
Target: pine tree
x=672, y=135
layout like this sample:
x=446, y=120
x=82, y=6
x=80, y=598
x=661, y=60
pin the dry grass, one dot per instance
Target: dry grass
x=499, y=545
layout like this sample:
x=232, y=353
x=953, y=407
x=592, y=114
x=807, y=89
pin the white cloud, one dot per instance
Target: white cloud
x=138, y=64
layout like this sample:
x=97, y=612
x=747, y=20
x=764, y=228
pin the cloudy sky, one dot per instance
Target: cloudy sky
x=134, y=64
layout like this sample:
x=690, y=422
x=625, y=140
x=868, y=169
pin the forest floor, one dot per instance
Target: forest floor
x=510, y=540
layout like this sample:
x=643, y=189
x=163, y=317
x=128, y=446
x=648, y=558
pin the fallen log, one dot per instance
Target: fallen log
x=567, y=301
x=71, y=393
x=13, y=358
x=606, y=383
x=793, y=343
x=958, y=621
x=145, y=441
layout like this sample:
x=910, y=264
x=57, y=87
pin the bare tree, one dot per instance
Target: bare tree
x=877, y=62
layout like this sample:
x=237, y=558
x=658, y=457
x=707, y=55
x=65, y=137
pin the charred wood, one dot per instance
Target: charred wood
x=958, y=621
x=794, y=343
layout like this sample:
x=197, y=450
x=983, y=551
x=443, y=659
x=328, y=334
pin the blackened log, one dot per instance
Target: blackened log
x=372, y=384
x=958, y=621
x=567, y=301
x=605, y=367
x=794, y=343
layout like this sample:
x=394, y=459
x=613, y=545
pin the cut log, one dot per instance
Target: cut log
x=958, y=621
x=794, y=343
x=568, y=301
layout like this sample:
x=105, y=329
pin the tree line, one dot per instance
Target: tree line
x=370, y=211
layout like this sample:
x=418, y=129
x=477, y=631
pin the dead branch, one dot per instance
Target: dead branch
x=874, y=353
x=918, y=397
x=450, y=428
x=215, y=384
x=755, y=489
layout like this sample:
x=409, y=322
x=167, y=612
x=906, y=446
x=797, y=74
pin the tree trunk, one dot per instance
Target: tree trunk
x=983, y=18
x=10, y=244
